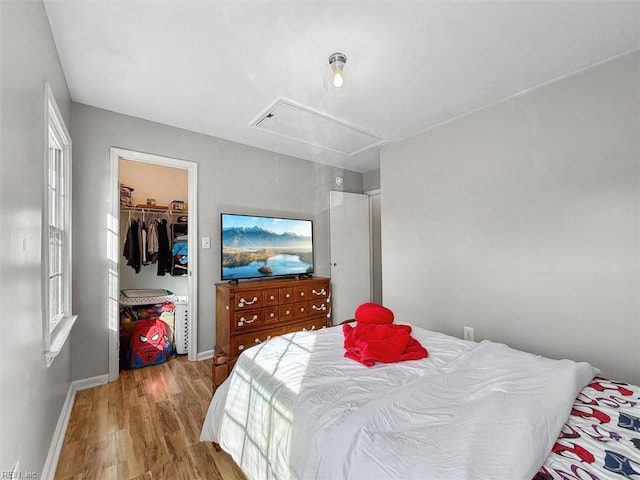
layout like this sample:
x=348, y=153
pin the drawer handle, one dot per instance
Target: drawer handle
x=271, y=297
x=272, y=315
x=244, y=302
x=287, y=295
x=321, y=292
x=258, y=341
x=287, y=312
x=321, y=308
x=240, y=347
x=313, y=327
x=243, y=320
x=302, y=294
x=301, y=309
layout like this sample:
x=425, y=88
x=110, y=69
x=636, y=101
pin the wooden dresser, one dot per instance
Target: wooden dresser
x=252, y=312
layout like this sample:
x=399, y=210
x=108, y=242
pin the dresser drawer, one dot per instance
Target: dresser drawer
x=300, y=294
x=318, y=290
x=301, y=310
x=308, y=326
x=286, y=295
x=285, y=312
x=318, y=306
x=271, y=315
x=247, y=320
x=240, y=343
x=248, y=300
x=270, y=297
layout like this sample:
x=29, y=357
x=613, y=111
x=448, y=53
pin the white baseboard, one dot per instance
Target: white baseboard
x=51, y=463
x=90, y=382
x=207, y=354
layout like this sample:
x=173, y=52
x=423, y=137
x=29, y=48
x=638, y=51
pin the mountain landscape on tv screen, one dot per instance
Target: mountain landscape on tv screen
x=259, y=237
x=259, y=252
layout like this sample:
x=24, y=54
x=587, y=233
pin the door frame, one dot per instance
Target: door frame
x=375, y=241
x=113, y=245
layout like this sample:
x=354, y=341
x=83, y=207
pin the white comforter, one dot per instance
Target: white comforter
x=296, y=408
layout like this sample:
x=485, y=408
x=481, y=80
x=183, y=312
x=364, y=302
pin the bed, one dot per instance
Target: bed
x=296, y=408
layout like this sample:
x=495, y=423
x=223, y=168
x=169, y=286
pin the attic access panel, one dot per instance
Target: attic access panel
x=297, y=122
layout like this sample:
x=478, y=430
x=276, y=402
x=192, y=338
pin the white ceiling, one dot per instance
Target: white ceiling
x=213, y=67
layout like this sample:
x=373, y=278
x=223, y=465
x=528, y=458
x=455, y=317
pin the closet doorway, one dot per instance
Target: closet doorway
x=129, y=159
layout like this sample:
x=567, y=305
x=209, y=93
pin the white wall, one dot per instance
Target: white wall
x=522, y=221
x=31, y=396
x=149, y=180
x=232, y=178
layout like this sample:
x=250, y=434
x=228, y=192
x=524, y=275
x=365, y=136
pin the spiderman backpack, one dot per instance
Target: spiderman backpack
x=149, y=343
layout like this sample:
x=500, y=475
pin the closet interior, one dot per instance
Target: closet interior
x=154, y=262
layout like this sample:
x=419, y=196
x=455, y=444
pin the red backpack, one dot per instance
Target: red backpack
x=149, y=344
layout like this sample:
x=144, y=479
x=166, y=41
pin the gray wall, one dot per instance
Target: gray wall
x=32, y=396
x=371, y=180
x=232, y=178
x=522, y=221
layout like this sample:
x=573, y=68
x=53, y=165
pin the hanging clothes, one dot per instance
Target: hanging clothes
x=180, y=255
x=131, y=249
x=152, y=241
x=144, y=257
x=164, y=249
x=179, y=248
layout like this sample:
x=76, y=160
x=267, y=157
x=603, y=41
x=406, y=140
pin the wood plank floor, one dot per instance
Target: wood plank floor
x=146, y=425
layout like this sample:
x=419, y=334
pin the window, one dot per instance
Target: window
x=56, y=264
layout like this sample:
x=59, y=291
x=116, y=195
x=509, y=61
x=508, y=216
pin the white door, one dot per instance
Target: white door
x=350, y=255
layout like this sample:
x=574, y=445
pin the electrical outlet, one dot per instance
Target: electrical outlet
x=468, y=333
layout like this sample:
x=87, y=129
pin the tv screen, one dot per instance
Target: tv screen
x=258, y=246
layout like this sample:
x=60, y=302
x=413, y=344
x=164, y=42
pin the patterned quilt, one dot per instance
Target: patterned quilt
x=601, y=439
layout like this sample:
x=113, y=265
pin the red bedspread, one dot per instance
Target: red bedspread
x=370, y=343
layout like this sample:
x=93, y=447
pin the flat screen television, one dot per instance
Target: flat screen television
x=260, y=247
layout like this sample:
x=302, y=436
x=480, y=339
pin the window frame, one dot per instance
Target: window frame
x=56, y=328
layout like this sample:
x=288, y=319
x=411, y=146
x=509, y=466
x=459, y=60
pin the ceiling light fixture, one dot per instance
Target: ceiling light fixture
x=335, y=81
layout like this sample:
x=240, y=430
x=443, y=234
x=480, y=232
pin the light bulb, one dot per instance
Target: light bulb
x=338, y=79
x=335, y=81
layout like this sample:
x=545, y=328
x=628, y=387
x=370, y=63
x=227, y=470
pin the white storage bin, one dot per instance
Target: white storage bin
x=181, y=324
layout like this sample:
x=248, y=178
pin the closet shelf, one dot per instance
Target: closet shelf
x=151, y=209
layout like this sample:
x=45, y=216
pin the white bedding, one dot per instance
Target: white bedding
x=294, y=407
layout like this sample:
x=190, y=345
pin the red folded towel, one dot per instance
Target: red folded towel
x=385, y=343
